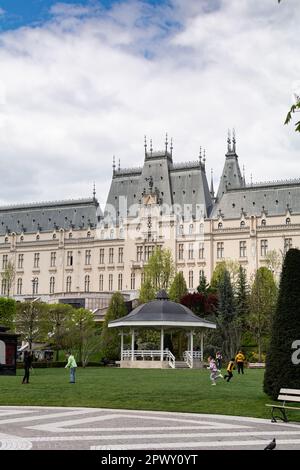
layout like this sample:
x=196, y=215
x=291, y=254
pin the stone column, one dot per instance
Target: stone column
x=161, y=344
x=122, y=344
x=192, y=347
x=132, y=345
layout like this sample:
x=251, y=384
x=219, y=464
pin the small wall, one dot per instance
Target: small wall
x=144, y=364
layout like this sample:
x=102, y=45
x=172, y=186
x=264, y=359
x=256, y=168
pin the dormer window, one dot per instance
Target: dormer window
x=220, y=225
x=37, y=237
x=6, y=239
x=263, y=222
x=70, y=235
x=287, y=221
x=54, y=236
x=242, y=224
x=191, y=227
x=88, y=234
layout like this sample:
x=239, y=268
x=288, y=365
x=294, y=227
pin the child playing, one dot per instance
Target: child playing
x=230, y=368
x=214, y=372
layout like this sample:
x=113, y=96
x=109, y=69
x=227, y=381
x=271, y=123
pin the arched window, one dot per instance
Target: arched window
x=6, y=240
x=70, y=234
x=191, y=228
x=180, y=229
x=242, y=224
x=201, y=228
x=54, y=236
x=263, y=222
x=52, y=284
x=87, y=283
x=69, y=284
x=19, y=286
x=112, y=233
x=121, y=233
x=287, y=221
x=37, y=237
x=220, y=225
x=88, y=234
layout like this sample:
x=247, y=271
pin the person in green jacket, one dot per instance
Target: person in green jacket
x=72, y=365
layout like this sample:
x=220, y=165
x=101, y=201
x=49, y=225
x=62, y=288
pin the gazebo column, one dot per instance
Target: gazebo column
x=161, y=344
x=202, y=337
x=132, y=344
x=122, y=344
x=192, y=347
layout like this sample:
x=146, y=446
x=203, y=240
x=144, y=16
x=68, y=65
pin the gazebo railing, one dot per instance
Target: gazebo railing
x=188, y=357
x=146, y=353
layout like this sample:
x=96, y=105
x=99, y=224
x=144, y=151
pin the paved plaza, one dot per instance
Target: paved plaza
x=105, y=429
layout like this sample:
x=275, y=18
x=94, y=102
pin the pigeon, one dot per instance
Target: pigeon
x=271, y=446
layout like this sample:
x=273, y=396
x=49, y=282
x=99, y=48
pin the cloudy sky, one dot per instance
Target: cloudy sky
x=81, y=81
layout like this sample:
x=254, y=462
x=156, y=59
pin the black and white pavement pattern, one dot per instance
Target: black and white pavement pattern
x=55, y=428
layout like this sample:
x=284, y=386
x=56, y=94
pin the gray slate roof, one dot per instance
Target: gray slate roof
x=46, y=216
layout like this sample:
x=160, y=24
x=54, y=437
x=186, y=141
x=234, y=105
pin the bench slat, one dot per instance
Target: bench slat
x=284, y=407
x=289, y=398
x=289, y=391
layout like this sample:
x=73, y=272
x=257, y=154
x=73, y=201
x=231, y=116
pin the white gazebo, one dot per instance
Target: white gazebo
x=164, y=315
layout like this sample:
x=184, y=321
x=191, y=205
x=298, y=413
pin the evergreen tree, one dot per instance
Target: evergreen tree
x=281, y=371
x=7, y=312
x=204, y=287
x=226, y=314
x=178, y=288
x=242, y=304
x=110, y=339
x=262, y=304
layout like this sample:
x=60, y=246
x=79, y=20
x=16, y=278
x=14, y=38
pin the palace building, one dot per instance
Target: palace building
x=73, y=252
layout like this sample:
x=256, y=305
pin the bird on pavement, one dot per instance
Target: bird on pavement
x=271, y=446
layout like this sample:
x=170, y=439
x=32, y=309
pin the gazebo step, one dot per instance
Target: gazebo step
x=181, y=365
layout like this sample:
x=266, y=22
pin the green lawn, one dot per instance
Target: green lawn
x=165, y=390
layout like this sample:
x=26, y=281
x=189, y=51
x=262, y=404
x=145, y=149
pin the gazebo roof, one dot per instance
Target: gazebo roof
x=161, y=312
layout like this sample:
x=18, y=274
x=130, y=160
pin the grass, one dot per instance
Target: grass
x=140, y=389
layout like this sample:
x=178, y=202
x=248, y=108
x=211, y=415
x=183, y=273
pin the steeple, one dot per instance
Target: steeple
x=231, y=177
x=94, y=191
x=145, y=145
x=212, y=191
x=114, y=165
x=166, y=143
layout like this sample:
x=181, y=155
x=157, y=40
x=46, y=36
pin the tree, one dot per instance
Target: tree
x=59, y=318
x=242, y=304
x=178, y=288
x=110, y=341
x=7, y=312
x=81, y=330
x=262, y=305
x=231, y=266
x=273, y=261
x=8, y=276
x=226, y=313
x=146, y=292
x=159, y=270
x=32, y=321
x=201, y=304
x=281, y=371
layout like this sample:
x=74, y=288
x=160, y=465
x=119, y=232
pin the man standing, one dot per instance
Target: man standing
x=72, y=365
x=27, y=365
x=240, y=358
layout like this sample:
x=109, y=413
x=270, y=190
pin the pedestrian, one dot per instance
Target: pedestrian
x=219, y=358
x=214, y=372
x=240, y=359
x=27, y=365
x=72, y=365
x=230, y=368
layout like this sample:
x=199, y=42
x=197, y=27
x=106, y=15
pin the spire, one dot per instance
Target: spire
x=229, y=142
x=212, y=191
x=171, y=147
x=94, y=191
x=151, y=148
x=119, y=166
x=204, y=158
x=251, y=179
x=200, y=155
x=166, y=142
x=145, y=145
x=114, y=165
x=233, y=140
x=244, y=177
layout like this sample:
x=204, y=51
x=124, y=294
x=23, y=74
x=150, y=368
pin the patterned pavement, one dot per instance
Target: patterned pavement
x=55, y=428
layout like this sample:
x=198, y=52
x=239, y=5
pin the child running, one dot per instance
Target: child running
x=214, y=372
x=230, y=368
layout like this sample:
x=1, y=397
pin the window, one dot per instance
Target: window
x=35, y=286
x=53, y=259
x=36, y=260
x=54, y=236
x=201, y=228
x=220, y=225
x=287, y=221
x=110, y=282
x=6, y=239
x=37, y=237
x=70, y=235
x=242, y=224
x=148, y=252
x=263, y=247
x=87, y=257
x=101, y=282
x=180, y=251
x=263, y=222
x=69, y=258
x=288, y=244
x=132, y=281
x=4, y=287
x=191, y=251
x=52, y=284
x=139, y=253
x=121, y=251
x=191, y=279
x=87, y=283
x=201, y=274
x=220, y=250
x=112, y=234
x=180, y=231
x=111, y=255
x=143, y=277
x=120, y=281
x=4, y=261
x=88, y=235
x=101, y=257
x=121, y=233
x=243, y=249
x=191, y=229
x=69, y=284
x=201, y=250
x=20, y=260
x=19, y=286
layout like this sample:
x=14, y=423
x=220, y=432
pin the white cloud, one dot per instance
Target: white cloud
x=81, y=88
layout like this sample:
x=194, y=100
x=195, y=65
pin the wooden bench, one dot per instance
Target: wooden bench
x=289, y=395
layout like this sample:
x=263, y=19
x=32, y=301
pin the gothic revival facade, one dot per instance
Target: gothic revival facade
x=71, y=250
